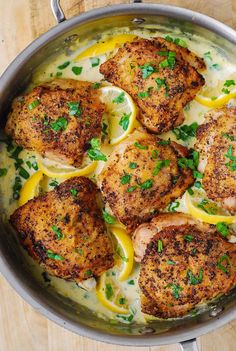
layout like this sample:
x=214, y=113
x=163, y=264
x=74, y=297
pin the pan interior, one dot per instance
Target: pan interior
x=13, y=260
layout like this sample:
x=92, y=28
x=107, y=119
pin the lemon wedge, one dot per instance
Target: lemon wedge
x=30, y=188
x=121, y=112
x=110, y=295
x=217, y=102
x=108, y=45
x=66, y=173
x=125, y=243
x=202, y=215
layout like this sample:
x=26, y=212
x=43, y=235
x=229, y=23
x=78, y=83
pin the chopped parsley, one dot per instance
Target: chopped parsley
x=54, y=183
x=108, y=218
x=197, y=175
x=186, y=131
x=109, y=291
x=59, y=125
x=74, y=192
x=184, y=162
x=122, y=301
x=155, y=154
x=54, y=255
x=193, y=280
x=119, y=99
x=223, y=229
x=139, y=146
x=171, y=263
x=3, y=172
x=207, y=55
x=131, y=282
x=159, y=165
x=188, y=238
x=88, y=273
x=208, y=207
x=125, y=179
x=96, y=85
x=232, y=163
x=225, y=90
x=177, y=41
x=159, y=246
x=95, y=61
x=74, y=108
x=132, y=188
x=64, y=65
x=33, y=104
x=173, y=206
x=124, y=121
x=216, y=66
x=95, y=143
x=94, y=153
x=228, y=136
x=23, y=173
x=223, y=268
x=77, y=70
x=163, y=142
x=175, y=290
x=57, y=232
x=147, y=184
x=142, y=94
x=229, y=82
x=133, y=165
x=147, y=70
x=162, y=83
x=169, y=61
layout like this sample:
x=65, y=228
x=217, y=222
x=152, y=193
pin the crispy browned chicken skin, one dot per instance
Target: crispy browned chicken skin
x=216, y=138
x=34, y=128
x=142, y=177
x=168, y=89
x=64, y=231
x=184, y=265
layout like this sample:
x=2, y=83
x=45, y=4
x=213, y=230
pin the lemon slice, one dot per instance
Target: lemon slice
x=125, y=243
x=110, y=296
x=116, y=111
x=202, y=215
x=66, y=173
x=105, y=46
x=218, y=102
x=30, y=188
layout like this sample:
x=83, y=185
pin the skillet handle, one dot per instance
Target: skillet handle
x=59, y=14
x=189, y=345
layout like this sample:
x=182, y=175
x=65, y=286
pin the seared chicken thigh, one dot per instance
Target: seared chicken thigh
x=63, y=230
x=142, y=176
x=185, y=264
x=161, y=77
x=216, y=142
x=57, y=119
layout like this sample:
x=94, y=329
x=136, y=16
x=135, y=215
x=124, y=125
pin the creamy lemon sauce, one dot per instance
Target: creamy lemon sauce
x=219, y=69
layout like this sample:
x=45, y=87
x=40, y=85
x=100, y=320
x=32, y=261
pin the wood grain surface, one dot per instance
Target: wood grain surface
x=22, y=328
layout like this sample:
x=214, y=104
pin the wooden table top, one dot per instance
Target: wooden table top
x=21, y=327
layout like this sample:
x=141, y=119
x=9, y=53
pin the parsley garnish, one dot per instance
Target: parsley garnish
x=74, y=192
x=94, y=153
x=95, y=61
x=122, y=301
x=131, y=282
x=155, y=154
x=228, y=136
x=162, y=83
x=88, y=273
x=169, y=61
x=96, y=85
x=188, y=238
x=177, y=41
x=171, y=263
x=232, y=163
x=229, y=82
x=64, y=65
x=60, y=124
x=77, y=70
x=222, y=228
x=3, y=172
x=193, y=280
x=208, y=207
x=74, y=109
x=207, y=55
x=173, y=206
x=33, y=104
x=159, y=246
x=108, y=218
x=95, y=143
x=175, y=290
x=124, y=121
x=132, y=188
x=53, y=183
x=139, y=146
x=186, y=131
x=54, y=255
x=147, y=70
x=147, y=184
x=133, y=165
x=23, y=173
x=159, y=165
x=142, y=94
x=109, y=291
x=125, y=179
x=119, y=99
x=57, y=232
x=220, y=266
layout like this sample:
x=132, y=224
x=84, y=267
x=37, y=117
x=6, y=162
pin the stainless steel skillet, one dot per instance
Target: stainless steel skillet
x=12, y=262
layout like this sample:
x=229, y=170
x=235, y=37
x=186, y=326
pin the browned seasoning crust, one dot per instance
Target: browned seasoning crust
x=214, y=138
x=140, y=205
x=167, y=278
x=158, y=112
x=32, y=128
x=84, y=245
